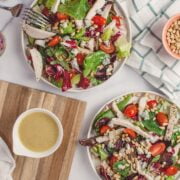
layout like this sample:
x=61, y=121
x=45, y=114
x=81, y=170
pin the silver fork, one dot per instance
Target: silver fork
x=35, y=18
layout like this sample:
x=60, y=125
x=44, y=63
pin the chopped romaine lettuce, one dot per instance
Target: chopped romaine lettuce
x=123, y=47
x=80, y=35
x=75, y=8
x=107, y=34
x=68, y=29
x=92, y=61
x=48, y=3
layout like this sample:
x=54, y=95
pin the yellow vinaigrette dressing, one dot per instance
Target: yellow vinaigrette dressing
x=38, y=132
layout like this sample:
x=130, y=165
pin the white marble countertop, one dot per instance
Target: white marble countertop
x=13, y=68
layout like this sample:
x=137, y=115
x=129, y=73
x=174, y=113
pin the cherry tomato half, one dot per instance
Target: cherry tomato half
x=80, y=58
x=162, y=119
x=61, y=16
x=118, y=20
x=54, y=41
x=130, y=132
x=157, y=149
x=131, y=110
x=99, y=20
x=171, y=171
x=107, y=49
x=104, y=129
x=152, y=103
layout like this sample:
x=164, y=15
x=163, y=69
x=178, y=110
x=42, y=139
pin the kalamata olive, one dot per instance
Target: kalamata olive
x=88, y=142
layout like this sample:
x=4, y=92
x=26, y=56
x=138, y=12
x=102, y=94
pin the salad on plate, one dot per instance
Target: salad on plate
x=81, y=46
x=136, y=137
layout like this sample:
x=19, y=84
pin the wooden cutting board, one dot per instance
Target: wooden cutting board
x=15, y=99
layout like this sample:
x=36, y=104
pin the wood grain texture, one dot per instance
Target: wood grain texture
x=14, y=100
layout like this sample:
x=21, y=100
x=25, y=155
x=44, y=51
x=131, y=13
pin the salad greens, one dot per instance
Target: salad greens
x=68, y=29
x=153, y=126
x=107, y=34
x=75, y=8
x=122, y=104
x=122, y=167
x=92, y=61
x=123, y=47
x=80, y=45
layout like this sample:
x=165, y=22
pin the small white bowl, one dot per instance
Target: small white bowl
x=21, y=150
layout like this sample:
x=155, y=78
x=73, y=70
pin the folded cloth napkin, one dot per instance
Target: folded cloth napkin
x=7, y=163
x=149, y=57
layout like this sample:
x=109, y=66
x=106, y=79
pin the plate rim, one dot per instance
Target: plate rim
x=102, y=107
x=76, y=90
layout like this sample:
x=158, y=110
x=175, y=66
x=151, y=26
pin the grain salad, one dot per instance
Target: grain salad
x=136, y=137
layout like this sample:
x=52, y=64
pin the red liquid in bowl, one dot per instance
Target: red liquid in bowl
x=2, y=44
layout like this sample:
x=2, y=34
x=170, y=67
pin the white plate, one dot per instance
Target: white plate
x=119, y=66
x=90, y=134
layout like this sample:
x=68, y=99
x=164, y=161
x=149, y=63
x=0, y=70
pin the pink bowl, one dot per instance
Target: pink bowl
x=164, y=39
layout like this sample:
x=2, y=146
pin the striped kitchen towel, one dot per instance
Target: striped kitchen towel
x=149, y=57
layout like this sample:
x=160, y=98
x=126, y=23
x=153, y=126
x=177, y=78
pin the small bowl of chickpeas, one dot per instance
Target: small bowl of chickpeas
x=171, y=36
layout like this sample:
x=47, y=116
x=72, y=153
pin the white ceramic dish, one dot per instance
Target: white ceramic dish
x=90, y=134
x=21, y=150
x=117, y=68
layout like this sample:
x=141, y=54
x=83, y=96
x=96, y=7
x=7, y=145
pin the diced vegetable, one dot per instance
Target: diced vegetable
x=131, y=111
x=171, y=171
x=170, y=178
x=54, y=41
x=123, y=47
x=130, y=132
x=175, y=137
x=102, y=154
x=109, y=49
x=76, y=79
x=107, y=34
x=157, y=149
x=84, y=82
x=122, y=104
x=61, y=16
x=104, y=129
x=75, y=8
x=68, y=29
x=92, y=61
x=80, y=58
x=80, y=35
x=153, y=126
x=156, y=158
x=122, y=167
x=152, y=103
x=162, y=119
x=99, y=20
x=49, y=3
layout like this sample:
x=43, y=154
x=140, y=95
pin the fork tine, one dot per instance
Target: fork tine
x=32, y=17
x=34, y=22
x=40, y=15
x=28, y=17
